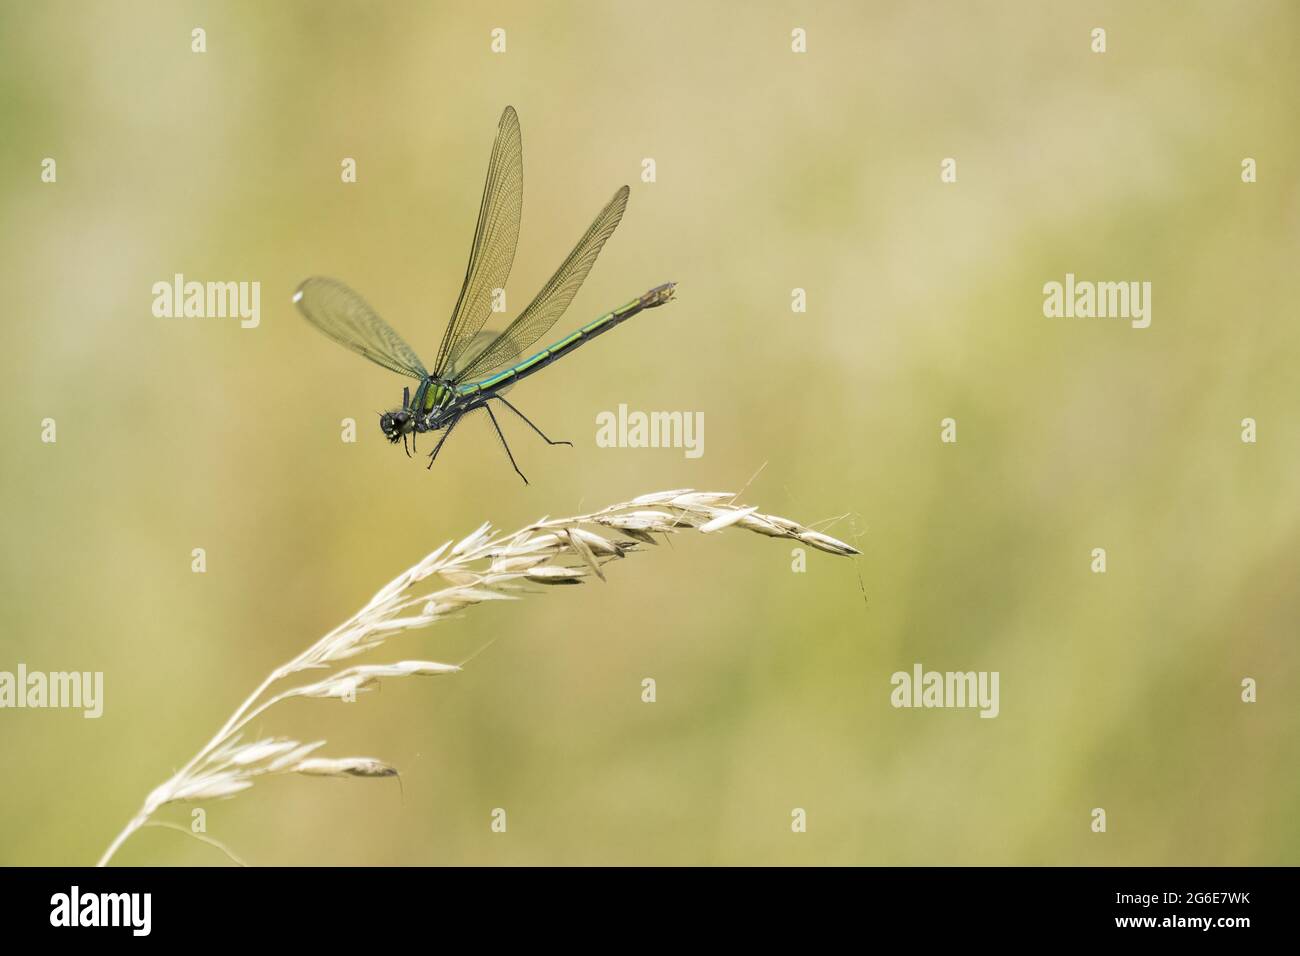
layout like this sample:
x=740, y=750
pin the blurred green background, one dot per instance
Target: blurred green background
x=775, y=171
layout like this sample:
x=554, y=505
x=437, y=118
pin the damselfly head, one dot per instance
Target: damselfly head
x=394, y=424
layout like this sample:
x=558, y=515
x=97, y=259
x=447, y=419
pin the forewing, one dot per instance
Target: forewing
x=495, y=237
x=471, y=351
x=345, y=317
x=550, y=303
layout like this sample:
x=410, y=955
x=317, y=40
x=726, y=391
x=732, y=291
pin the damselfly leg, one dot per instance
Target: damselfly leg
x=443, y=440
x=530, y=424
x=487, y=408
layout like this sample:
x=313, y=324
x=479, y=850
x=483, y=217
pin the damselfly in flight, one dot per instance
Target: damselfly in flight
x=474, y=367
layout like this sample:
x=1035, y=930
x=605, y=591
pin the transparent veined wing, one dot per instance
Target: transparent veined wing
x=480, y=342
x=493, y=251
x=550, y=303
x=476, y=345
x=345, y=317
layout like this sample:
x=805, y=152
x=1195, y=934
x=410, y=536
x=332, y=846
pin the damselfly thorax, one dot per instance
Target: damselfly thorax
x=428, y=410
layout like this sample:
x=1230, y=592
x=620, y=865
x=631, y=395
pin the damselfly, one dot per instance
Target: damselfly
x=474, y=367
